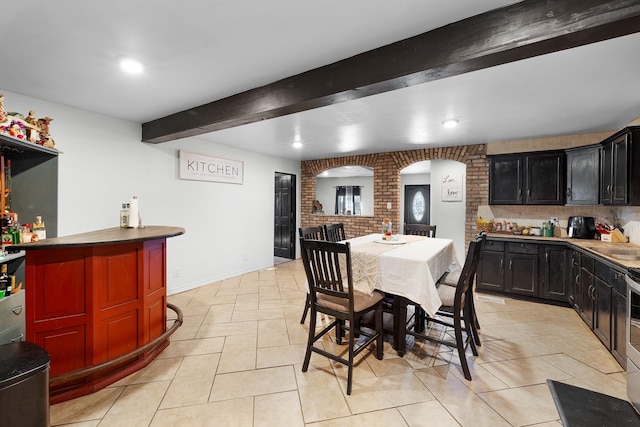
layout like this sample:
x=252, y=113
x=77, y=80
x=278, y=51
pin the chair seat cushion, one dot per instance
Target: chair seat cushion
x=447, y=294
x=361, y=301
x=450, y=278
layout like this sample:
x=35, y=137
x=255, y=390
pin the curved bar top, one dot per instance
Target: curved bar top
x=107, y=236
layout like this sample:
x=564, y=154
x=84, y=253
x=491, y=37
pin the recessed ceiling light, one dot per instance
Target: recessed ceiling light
x=131, y=65
x=450, y=123
x=297, y=144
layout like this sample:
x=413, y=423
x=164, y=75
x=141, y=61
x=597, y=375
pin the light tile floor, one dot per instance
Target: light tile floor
x=236, y=361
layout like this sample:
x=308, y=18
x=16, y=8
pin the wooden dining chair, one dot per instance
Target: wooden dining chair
x=456, y=310
x=451, y=279
x=420, y=230
x=313, y=233
x=334, y=232
x=332, y=296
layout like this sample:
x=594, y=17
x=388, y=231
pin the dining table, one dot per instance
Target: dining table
x=406, y=267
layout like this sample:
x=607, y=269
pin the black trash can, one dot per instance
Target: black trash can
x=24, y=385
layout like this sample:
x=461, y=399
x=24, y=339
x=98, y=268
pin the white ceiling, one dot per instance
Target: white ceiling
x=198, y=51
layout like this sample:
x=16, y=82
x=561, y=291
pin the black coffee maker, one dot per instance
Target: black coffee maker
x=581, y=227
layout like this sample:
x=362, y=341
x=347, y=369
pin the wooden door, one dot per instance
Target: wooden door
x=417, y=204
x=284, y=216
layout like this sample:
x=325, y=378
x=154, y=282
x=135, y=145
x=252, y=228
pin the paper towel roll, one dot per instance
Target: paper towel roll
x=133, y=212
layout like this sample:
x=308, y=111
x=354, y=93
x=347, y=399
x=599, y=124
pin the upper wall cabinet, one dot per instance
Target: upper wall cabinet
x=621, y=168
x=530, y=179
x=583, y=175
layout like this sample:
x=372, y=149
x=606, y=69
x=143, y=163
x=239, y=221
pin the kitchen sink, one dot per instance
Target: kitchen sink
x=631, y=254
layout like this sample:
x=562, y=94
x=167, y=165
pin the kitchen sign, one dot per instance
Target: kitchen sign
x=451, y=188
x=199, y=167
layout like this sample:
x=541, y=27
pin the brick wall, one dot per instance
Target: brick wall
x=386, y=183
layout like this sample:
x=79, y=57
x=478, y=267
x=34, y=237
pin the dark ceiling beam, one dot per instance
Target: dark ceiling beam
x=524, y=30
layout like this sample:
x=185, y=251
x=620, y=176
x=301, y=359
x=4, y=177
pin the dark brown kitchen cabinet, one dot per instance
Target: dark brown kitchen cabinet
x=521, y=270
x=583, y=175
x=530, y=179
x=491, y=268
x=620, y=184
x=587, y=284
x=575, y=287
x=555, y=272
x=505, y=180
x=509, y=267
x=602, y=311
x=610, y=309
x=618, y=326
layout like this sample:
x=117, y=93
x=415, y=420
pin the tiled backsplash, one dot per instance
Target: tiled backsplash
x=628, y=217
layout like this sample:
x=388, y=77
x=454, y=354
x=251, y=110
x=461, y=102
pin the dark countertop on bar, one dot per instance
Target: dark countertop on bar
x=587, y=245
x=107, y=236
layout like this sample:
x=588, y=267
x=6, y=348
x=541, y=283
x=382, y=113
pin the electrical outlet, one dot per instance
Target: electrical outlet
x=554, y=219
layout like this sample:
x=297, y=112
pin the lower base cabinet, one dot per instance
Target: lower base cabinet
x=618, y=326
x=528, y=269
x=596, y=289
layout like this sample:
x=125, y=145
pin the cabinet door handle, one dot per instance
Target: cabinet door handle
x=528, y=192
x=578, y=279
x=568, y=192
x=17, y=339
x=501, y=265
x=17, y=310
x=510, y=265
x=546, y=257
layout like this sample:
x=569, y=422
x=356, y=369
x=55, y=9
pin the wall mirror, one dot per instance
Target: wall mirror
x=346, y=190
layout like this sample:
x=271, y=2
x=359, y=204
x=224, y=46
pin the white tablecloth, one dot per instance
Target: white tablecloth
x=410, y=270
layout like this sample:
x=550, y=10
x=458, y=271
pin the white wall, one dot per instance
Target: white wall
x=326, y=192
x=229, y=228
x=449, y=217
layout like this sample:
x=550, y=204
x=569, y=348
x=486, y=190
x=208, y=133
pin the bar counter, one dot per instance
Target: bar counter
x=96, y=302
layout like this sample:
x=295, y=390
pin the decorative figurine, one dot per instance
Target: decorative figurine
x=43, y=124
x=14, y=129
x=45, y=137
x=3, y=114
x=31, y=127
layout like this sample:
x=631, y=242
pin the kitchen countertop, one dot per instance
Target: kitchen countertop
x=108, y=236
x=586, y=245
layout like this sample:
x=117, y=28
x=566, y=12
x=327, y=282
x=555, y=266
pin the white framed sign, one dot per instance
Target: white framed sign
x=199, y=167
x=452, y=188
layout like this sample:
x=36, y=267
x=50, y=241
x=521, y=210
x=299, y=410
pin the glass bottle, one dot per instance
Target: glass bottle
x=39, y=229
x=124, y=215
x=7, y=186
x=5, y=281
x=386, y=229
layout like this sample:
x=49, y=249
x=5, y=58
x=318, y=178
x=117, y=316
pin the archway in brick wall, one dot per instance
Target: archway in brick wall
x=442, y=181
x=386, y=170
